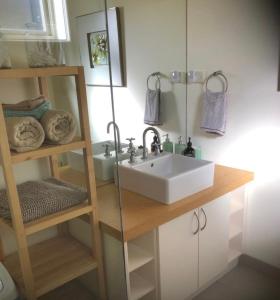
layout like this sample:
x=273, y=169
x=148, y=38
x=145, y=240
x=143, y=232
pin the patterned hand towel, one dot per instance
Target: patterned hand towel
x=41, y=198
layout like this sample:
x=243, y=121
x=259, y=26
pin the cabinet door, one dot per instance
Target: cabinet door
x=178, y=257
x=213, y=238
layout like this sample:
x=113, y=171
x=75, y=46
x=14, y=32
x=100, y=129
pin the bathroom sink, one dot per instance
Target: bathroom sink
x=167, y=178
x=103, y=166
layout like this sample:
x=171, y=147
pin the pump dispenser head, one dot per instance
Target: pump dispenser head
x=167, y=138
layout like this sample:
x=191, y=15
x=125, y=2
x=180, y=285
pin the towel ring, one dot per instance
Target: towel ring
x=222, y=75
x=158, y=83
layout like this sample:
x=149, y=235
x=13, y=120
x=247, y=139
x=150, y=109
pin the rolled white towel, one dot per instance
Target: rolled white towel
x=24, y=133
x=60, y=126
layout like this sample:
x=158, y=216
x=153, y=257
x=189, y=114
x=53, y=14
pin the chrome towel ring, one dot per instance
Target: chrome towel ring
x=157, y=83
x=221, y=75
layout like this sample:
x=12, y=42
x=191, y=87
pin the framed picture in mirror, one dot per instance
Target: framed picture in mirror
x=93, y=40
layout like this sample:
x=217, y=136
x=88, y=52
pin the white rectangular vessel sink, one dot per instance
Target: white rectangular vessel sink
x=167, y=178
x=103, y=166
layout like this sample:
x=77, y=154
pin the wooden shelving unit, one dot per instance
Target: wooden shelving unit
x=45, y=266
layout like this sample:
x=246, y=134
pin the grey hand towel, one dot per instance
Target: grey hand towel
x=153, y=107
x=214, y=112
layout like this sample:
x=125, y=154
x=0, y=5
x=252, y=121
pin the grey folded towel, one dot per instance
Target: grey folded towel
x=153, y=107
x=41, y=198
x=214, y=112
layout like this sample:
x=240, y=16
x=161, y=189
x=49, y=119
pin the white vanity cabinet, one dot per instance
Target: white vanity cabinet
x=178, y=256
x=213, y=239
x=193, y=249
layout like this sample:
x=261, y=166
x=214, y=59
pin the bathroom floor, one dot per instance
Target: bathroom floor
x=70, y=291
x=243, y=283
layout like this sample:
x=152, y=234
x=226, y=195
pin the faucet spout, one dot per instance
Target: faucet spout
x=118, y=134
x=144, y=156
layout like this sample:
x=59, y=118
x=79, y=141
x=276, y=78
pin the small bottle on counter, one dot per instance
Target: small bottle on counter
x=167, y=144
x=189, y=151
x=197, y=152
x=180, y=147
x=155, y=144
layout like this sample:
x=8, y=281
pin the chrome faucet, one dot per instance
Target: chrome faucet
x=144, y=156
x=118, y=135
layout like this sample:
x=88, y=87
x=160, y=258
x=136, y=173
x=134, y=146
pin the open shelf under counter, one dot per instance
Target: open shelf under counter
x=54, y=262
x=236, y=207
x=47, y=150
x=234, y=231
x=139, y=287
x=137, y=257
x=233, y=254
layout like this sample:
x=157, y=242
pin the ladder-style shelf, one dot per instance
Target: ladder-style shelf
x=45, y=266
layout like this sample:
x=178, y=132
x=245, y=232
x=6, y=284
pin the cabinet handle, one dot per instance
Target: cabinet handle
x=198, y=223
x=205, y=217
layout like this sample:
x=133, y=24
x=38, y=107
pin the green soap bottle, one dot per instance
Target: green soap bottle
x=167, y=145
x=180, y=147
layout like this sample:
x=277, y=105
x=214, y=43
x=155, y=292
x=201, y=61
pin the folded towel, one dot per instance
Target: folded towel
x=153, y=107
x=24, y=133
x=60, y=126
x=41, y=198
x=214, y=112
x=36, y=112
x=25, y=104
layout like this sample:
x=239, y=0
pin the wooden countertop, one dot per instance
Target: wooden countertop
x=141, y=214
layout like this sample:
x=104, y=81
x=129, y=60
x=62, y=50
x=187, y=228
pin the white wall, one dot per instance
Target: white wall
x=240, y=37
x=154, y=34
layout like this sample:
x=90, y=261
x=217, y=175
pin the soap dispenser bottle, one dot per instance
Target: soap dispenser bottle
x=180, y=147
x=167, y=145
x=189, y=151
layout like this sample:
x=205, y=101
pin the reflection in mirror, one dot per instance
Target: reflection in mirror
x=150, y=105
x=80, y=249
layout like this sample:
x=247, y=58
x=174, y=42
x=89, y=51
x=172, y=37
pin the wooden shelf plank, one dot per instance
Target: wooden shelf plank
x=137, y=257
x=38, y=72
x=47, y=150
x=54, y=262
x=52, y=219
x=139, y=286
x=57, y=218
